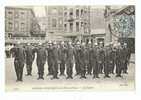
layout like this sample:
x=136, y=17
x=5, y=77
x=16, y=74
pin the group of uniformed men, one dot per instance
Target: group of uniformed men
x=88, y=59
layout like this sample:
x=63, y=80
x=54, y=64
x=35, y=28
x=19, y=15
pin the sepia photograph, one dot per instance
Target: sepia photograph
x=70, y=48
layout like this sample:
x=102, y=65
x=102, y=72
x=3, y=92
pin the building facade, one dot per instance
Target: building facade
x=97, y=24
x=20, y=23
x=54, y=28
x=67, y=22
x=76, y=22
x=43, y=23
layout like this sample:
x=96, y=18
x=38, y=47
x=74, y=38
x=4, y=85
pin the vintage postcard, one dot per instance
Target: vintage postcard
x=70, y=48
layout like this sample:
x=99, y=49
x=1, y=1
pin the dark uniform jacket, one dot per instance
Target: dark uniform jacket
x=70, y=55
x=41, y=56
x=82, y=57
x=124, y=54
x=118, y=55
x=100, y=55
x=62, y=53
x=111, y=55
x=19, y=54
x=55, y=55
x=50, y=54
x=76, y=54
x=93, y=54
x=107, y=57
x=29, y=55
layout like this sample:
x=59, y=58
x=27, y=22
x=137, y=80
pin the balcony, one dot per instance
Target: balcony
x=25, y=39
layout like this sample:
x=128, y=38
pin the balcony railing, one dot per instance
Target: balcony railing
x=25, y=39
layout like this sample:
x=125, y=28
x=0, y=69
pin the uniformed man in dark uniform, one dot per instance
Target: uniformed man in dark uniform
x=62, y=56
x=55, y=57
x=33, y=50
x=126, y=58
x=50, y=58
x=41, y=60
x=88, y=61
x=77, y=56
x=107, y=61
x=29, y=59
x=93, y=61
x=69, y=60
x=19, y=55
x=113, y=58
x=82, y=60
x=118, y=60
x=100, y=58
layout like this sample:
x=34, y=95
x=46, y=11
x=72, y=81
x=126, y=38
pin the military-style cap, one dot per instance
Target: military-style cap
x=78, y=43
x=28, y=43
x=83, y=43
x=49, y=42
x=95, y=43
x=62, y=42
x=89, y=42
x=125, y=44
x=55, y=42
x=69, y=42
x=40, y=44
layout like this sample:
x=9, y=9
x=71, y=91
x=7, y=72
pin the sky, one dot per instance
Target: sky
x=39, y=11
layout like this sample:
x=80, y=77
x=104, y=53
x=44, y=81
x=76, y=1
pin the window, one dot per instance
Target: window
x=10, y=25
x=81, y=12
x=85, y=28
x=71, y=27
x=9, y=35
x=77, y=26
x=10, y=13
x=54, y=22
x=71, y=13
x=22, y=26
x=60, y=24
x=16, y=14
x=22, y=14
x=16, y=26
x=65, y=14
x=82, y=24
x=77, y=13
x=65, y=27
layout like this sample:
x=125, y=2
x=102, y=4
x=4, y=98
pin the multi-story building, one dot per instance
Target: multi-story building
x=97, y=24
x=76, y=22
x=43, y=22
x=20, y=23
x=67, y=22
x=54, y=16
